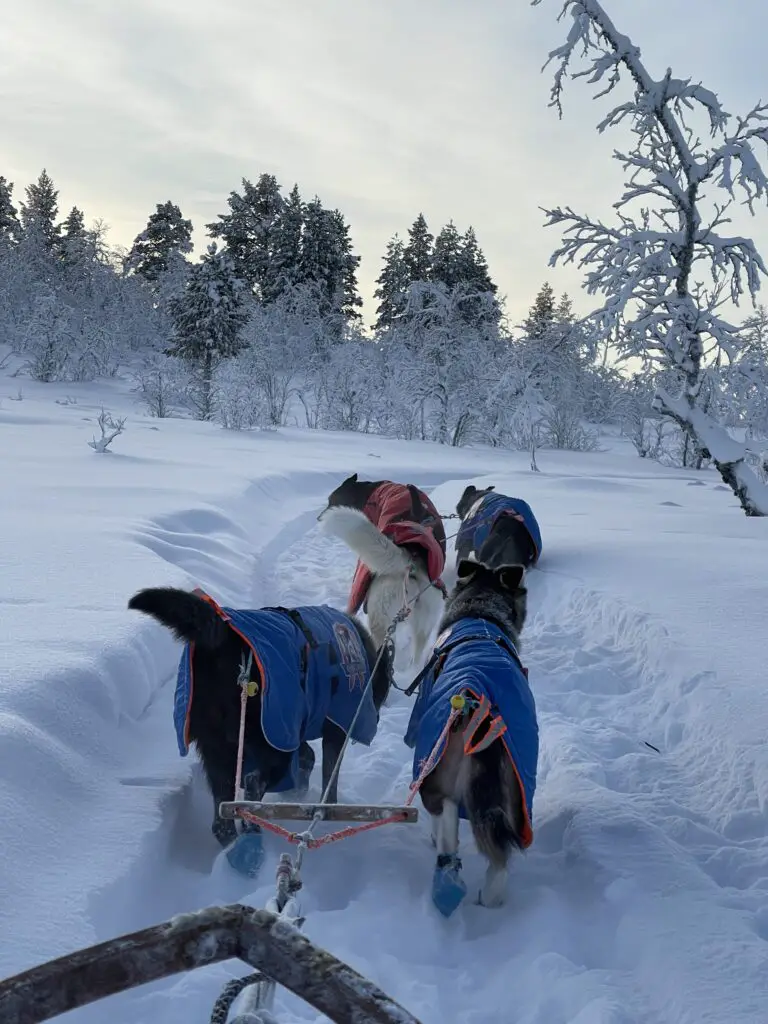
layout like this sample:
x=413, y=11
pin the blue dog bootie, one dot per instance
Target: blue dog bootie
x=246, y=854
x=448, y=887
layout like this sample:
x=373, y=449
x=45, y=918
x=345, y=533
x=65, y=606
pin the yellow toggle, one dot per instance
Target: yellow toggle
x=457, y=701
x=252, y=688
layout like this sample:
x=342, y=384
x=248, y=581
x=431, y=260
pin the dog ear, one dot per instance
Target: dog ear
x=492, y=487
x=351, y=479
x=510, y=576
x=466, y=569
x=465, y=500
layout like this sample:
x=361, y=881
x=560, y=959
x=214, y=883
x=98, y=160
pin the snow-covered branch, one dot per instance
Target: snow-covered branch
x=110, y=429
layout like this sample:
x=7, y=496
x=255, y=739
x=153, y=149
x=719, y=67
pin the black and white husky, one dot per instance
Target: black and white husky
x=309, y=667
x=475, y=715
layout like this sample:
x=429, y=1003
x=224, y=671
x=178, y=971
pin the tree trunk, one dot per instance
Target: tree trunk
x=256, y=937
x=207, y=386
x=729, y=456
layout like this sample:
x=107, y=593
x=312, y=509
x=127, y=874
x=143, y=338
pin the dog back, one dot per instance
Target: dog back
x=479, y=521
x=312, y=666
x=475, y=657
x=390, y=509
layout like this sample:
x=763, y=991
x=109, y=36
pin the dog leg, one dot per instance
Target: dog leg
x=448, y=887
x=306, y=764
x=434, y=821
x=333, y=741
x=494, y=891
x=380, y=610
x=246, y=853
x=497, y=817
x=221, y=786
x=447, y=830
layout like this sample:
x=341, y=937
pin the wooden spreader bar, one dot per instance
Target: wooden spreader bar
x=305, y=812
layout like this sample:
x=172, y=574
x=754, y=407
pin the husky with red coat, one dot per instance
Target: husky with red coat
x=399, y=538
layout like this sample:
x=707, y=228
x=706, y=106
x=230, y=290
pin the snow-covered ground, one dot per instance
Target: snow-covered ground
x=645, y=895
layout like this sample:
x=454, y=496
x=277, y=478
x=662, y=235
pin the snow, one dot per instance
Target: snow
x=644, y=895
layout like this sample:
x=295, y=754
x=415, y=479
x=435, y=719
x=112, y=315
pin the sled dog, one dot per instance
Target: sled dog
x=309, y=666
x=496, y=529
x=487, y=758
x=399, y=538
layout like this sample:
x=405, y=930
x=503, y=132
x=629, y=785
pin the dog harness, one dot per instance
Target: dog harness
x=480, y=520
x=390, y=508
x=312, y=666
x=476, y=658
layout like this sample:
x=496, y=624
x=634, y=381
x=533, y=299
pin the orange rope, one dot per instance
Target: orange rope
x=352, y=830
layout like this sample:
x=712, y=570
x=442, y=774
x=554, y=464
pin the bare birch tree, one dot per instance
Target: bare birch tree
x=665, y=267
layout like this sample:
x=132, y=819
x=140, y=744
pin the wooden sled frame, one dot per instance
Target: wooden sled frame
x=230, y=809
x=256, y=937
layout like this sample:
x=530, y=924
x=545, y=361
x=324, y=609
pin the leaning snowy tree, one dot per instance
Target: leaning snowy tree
x=665, y=268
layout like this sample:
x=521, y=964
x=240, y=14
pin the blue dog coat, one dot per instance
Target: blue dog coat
x=476, y=528
x=475, y=657
x=312, y=667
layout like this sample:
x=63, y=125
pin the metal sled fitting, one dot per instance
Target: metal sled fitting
x=230, y=809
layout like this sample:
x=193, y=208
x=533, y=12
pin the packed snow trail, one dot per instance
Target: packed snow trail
x=632, y=906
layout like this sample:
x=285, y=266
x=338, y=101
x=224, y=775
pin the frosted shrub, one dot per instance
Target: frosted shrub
x=238, y=402
x=161, y=381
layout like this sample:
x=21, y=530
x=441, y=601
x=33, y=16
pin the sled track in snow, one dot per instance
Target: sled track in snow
x=627, y=840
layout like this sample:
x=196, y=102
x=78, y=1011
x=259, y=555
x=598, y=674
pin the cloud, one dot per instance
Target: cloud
x=383, y=109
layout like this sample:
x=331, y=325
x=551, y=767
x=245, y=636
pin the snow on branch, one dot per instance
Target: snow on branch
x=110, y=428
x=664, y=268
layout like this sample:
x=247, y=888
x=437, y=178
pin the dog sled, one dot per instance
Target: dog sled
x=258, y=938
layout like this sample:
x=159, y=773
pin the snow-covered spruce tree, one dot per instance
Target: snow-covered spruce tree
x=162, y=246
x=208, y=318
x=473, y=275
x=391, y=285
x=554, y=359
x=446, y=266
x=248, y=231
x=77, y=245
x=286, y=247
x=39, y=212
x=417, y=254
x=541, y=315
x=10, y=228
x=649, y=266
x=327, y=261
x=348, y=262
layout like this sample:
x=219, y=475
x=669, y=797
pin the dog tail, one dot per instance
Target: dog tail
x=494, y=804
x=372, y=547
x=188, y=616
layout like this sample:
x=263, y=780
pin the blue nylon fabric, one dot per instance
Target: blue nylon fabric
x=291, y=713
x=476, y=529
x=482, y=665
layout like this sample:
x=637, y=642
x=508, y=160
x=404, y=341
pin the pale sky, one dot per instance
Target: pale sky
x=384, y=108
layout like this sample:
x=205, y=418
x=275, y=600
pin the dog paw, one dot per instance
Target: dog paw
x=490, y=900
x=448, y=890
x=246, y=854
x=494, y=892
